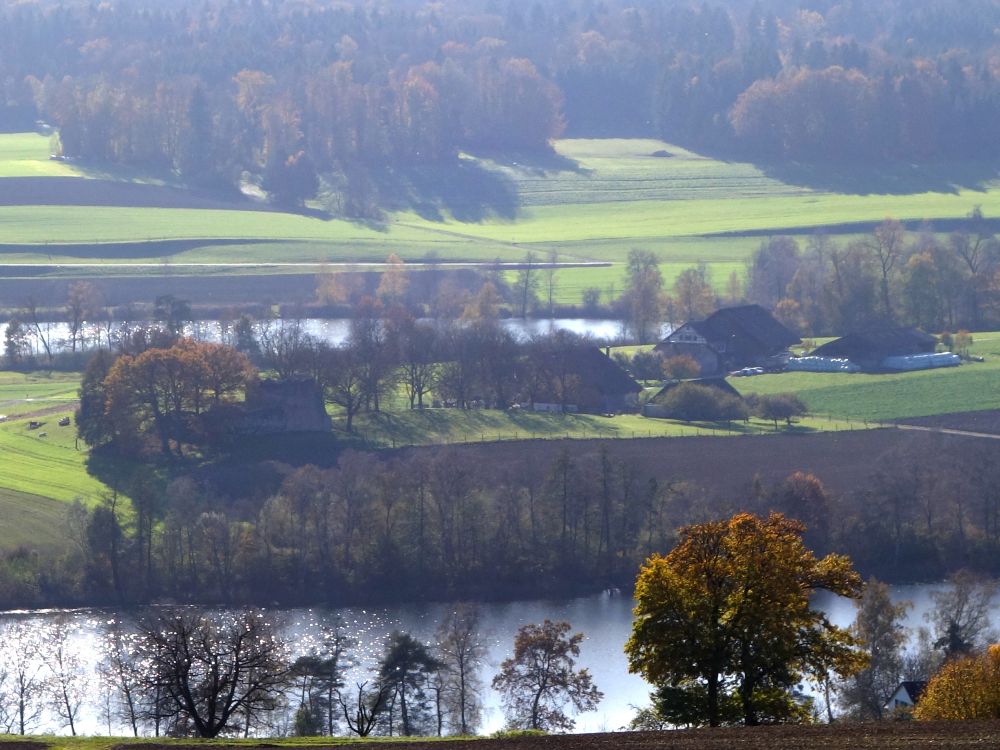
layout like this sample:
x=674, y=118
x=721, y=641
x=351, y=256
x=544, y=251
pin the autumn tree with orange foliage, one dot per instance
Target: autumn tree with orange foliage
x=963, y=690
x=723, y=624
x=156, y=392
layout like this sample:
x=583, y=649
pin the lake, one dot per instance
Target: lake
x=335, y=331
x=604, y=619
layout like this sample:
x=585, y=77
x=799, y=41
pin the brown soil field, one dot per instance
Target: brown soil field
x=843, y=461
x=973, y=421
x=74, y=191
x=886, y=735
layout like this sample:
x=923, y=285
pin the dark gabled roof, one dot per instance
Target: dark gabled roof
x=720, y=383
x=597, y=370
x=751, y=322
x=885, y=340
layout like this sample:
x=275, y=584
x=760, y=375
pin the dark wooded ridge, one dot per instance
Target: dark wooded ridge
x=286, y=92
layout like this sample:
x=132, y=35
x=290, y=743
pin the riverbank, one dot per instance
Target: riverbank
x=884, y=736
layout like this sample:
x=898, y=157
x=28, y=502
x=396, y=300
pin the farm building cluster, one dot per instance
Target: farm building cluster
x=736, y=338
x=583, y=378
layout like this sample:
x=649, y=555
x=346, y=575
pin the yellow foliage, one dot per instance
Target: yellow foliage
x=963, y=689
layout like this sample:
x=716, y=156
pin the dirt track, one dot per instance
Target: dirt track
x=987, y=422
x=891, y=735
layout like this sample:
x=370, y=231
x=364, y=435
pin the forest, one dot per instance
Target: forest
x=320, y=96
x=447, y=524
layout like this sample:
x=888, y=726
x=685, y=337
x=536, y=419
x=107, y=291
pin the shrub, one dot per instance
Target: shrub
x=963, y=690
x=702, y=403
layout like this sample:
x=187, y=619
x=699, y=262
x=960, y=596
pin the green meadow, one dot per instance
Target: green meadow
x=972, y=386
x=31, y=521
x=44, y=462
x=453, y=426
x=592, y=200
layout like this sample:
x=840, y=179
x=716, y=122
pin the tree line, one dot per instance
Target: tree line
x=724, y=630
x=341, y=91
x=188, y=673
x=450, y=525
x=889, y=276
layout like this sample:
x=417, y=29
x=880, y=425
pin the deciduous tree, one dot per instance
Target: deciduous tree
x=540, y=679
x=878, y=628
x=727, y=612
x=461, y=653
x=212, y=674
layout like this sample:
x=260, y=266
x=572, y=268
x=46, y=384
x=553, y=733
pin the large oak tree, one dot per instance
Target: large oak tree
x=724, y=618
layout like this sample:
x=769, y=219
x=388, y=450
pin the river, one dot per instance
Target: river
x=604, y=619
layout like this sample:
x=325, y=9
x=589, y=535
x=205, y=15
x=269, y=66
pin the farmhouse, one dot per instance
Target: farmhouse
x=871, y=348
x=906, y=695
x=731, y=338
x=290, y=405
x=583, y=379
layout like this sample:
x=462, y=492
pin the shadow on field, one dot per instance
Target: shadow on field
x=886, y=179
x=467, y=189
x=463, y=189
x=131, y=250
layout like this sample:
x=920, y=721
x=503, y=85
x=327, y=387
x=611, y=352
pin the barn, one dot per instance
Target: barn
x=871, y=348
x=584, y=379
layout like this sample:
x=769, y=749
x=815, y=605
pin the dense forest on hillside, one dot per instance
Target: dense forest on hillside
x=287, y=92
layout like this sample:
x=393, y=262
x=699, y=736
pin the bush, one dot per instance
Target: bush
x=642, y=366
x=702, y=403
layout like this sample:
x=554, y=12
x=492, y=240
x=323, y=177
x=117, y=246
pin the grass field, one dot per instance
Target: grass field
x=27, y=155
x=592, y=200
x=30, y=521
x=972, y=386
x=50, y=467
x=451, y=426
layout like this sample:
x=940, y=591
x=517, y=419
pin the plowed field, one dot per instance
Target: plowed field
x=884, y=736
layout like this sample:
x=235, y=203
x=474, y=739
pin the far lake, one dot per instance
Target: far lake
x=335, y=330
x=605, y=619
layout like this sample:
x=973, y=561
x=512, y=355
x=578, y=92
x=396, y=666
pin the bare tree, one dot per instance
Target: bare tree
x=961, y=614
x=41, y=329
x=527, y=284
x=65, y=679
x=24, y=673
x=341, y=373
x=363, y=714
x=886, y=245
x=121, y=676
x=211, y=673
x=461, y=653
x=551, y=268
x=83, y=302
